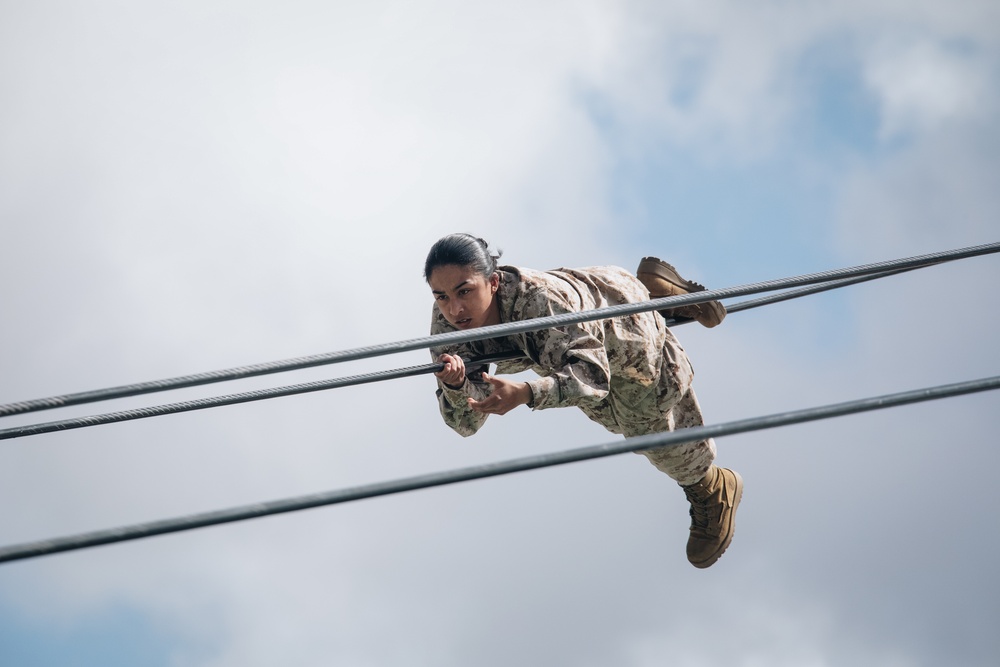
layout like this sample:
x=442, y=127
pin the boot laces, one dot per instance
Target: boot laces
x=700, y=515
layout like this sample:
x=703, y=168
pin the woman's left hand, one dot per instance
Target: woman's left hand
x=506, y=396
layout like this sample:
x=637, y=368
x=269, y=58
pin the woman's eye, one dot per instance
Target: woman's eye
x=463, y=292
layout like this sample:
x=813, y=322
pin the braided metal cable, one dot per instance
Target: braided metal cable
x=803, y=291
x=668, y=439
x=350, y=381
x=233, y=399
x=494, y=331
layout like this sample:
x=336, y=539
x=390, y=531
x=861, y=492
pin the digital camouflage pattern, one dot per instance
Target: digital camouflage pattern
x=628, y=374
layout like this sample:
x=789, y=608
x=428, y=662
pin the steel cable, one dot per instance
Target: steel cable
x=505, y=329
x=234, y=399
x=354, y=380
x=668, y=439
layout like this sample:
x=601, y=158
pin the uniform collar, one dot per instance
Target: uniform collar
x=510, y=280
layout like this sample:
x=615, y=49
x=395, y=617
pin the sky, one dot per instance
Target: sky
x=191, y=186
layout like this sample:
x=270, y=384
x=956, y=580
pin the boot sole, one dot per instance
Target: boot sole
x=731, y=528
x=657, y=267
x=710, y=314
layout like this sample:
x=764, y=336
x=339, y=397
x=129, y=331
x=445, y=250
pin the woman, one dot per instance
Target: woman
x=629, y=374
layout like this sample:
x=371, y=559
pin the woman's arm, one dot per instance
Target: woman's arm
x=574, y=355
x=453, y=401
x=454, y=388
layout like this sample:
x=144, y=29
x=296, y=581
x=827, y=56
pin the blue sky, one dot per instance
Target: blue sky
x=205, y=185
x=120, y=636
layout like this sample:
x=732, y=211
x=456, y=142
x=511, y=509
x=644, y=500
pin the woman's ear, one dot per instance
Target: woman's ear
x=494, y=282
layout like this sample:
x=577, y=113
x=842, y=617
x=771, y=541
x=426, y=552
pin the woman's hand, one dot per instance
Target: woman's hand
x=453, y=373
x=506, y=396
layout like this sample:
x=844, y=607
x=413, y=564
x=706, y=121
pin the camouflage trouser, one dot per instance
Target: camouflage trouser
x=686, y=463
x=676, y=408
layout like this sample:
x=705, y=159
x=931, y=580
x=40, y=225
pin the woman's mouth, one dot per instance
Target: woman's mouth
x=463, y=323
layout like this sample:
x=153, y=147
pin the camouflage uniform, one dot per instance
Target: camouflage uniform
x=628, y=374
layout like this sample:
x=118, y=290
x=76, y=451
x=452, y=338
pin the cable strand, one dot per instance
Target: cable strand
x=667, y=439
x=483, y=333
x=322, y=385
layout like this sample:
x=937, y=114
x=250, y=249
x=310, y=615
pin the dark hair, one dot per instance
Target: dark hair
x=462, y=250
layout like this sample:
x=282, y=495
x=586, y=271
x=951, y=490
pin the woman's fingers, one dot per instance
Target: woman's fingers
x=487, y=405
x=453, y=373
x=505, y=397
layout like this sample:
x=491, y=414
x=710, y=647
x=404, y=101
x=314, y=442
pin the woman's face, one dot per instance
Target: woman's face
x=464, y=296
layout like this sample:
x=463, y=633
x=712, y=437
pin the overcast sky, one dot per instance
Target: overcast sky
x=190, y=186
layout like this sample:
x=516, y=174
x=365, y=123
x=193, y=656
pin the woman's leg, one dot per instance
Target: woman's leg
x=688, y=463
x=714, y=493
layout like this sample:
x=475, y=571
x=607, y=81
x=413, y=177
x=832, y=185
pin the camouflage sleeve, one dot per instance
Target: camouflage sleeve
x=575, y=354
x=454, y=407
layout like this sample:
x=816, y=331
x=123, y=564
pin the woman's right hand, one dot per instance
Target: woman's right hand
x=453, y=373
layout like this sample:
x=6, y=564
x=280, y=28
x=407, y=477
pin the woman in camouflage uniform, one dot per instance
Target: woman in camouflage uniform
x=629, y=374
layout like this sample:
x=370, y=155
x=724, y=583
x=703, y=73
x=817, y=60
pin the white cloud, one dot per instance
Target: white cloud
x=216, y=185
x=922, y=84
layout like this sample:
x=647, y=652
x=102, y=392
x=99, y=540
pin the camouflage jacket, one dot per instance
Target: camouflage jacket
x=617, y=371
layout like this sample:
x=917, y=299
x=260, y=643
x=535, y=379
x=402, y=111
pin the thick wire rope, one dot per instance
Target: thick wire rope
x=234, y=399
x=668, y=439
x=494, y=331
x=354, y=380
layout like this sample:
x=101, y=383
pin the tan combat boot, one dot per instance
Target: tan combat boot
x=713, y=514
x=661, y=279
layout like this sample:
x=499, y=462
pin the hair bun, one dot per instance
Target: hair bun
x=463, y=250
